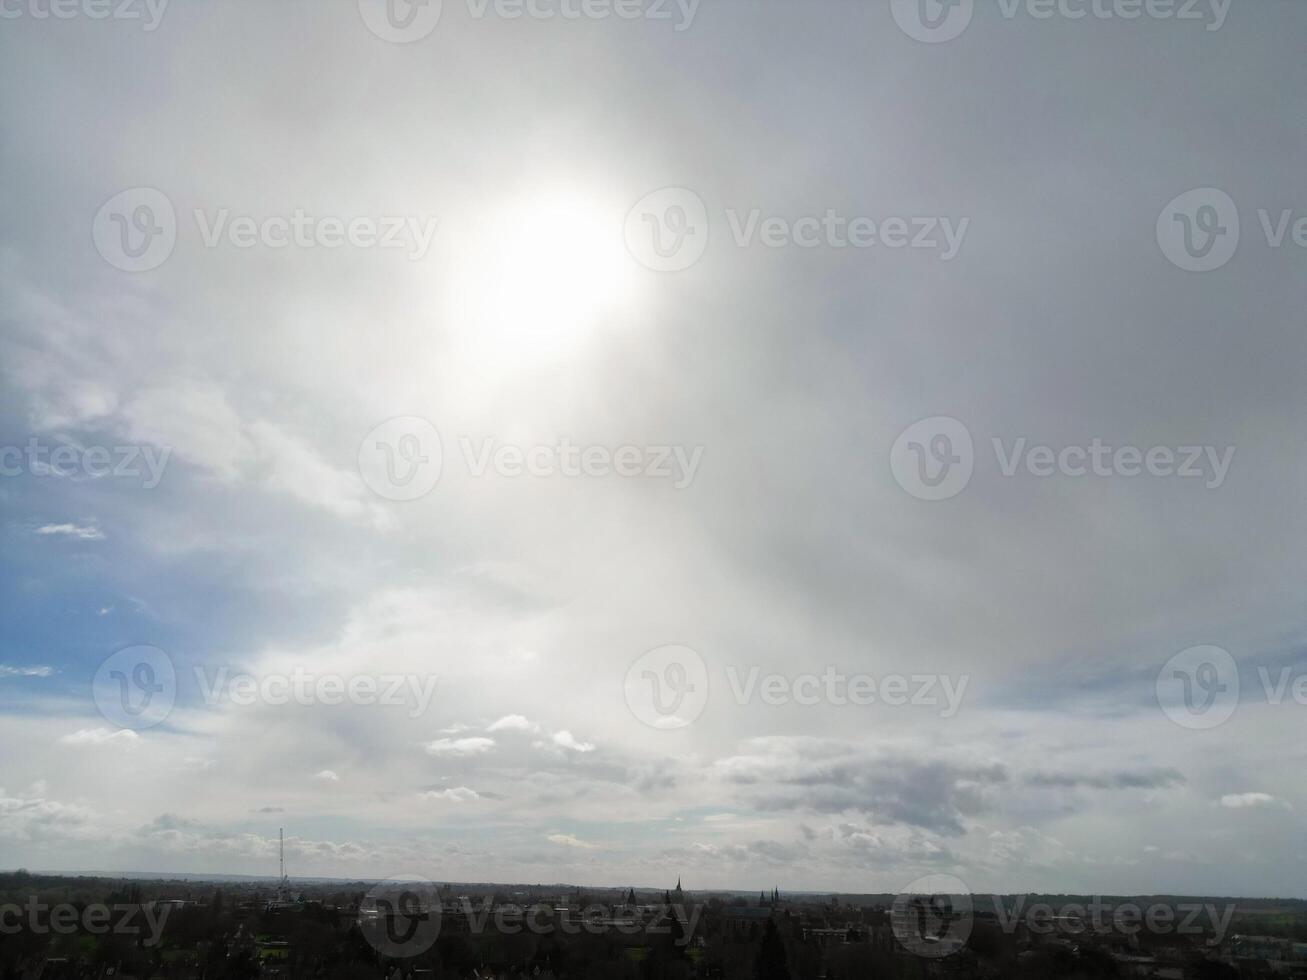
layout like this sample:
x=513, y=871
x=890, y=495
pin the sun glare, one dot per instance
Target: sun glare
x=541, y=276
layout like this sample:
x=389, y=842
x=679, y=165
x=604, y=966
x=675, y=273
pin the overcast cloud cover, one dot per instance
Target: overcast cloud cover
x=793, y=548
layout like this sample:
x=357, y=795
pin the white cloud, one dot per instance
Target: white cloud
x=99, y=736
x=459, y=746
x=1240, y=801
x=83, y=532
x=456, y=794
x=39, y=671
x=569, y=840
x=327, y=776
x=567, y=740
x=513, y=723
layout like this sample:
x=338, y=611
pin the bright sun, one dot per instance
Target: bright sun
x=540, y=276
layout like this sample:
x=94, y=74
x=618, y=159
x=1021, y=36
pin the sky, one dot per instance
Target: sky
x=813, y=445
